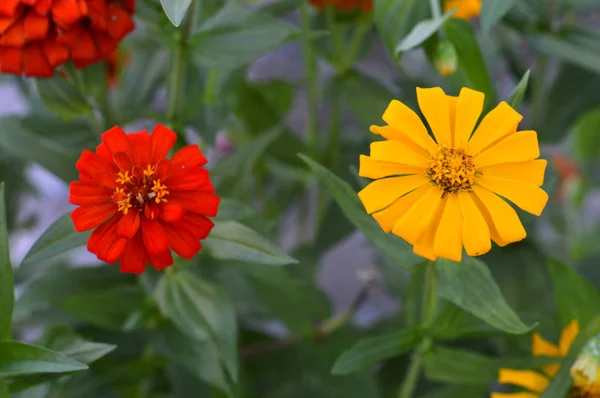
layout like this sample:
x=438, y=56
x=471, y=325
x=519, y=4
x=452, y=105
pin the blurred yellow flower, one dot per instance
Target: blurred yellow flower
x=537, y=382
x=465, y=9
x=443, y=195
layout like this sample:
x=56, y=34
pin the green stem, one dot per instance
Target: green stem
x=539, y=91
x=310, y=65
x=428, y=313
x=359, y=34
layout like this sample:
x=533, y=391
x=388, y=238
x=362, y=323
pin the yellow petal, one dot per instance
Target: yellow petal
x=476, y=233
x=494, y=235
x=504, y=217
x=407, y=122
x=543, y=348
x=452, y=100
x=529, y=379
x=435, y=107
x=379, y=194
x=500, y=122
x=531, y=171
x=515, y=395
x=425, y=245
x=393, y=134
x=551, y=369
x=518, y=147
x=378, y=169
x=413, y=223
x=527, y=196
x=397, y=152
x=567, y=336
x=389, y=216
x=468, y=109
x=448, y=239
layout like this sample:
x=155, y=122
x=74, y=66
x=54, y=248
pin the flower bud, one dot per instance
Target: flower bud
x=445, y=58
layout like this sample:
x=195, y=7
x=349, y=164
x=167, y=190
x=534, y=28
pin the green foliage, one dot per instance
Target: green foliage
x=7, y=297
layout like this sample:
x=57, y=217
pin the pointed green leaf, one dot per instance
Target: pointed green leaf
x=347, y=199
x=566, y=49
x=62, y=98
x=395, y=19
x=7, y=297
x=519, y=92
x=18, y=358
x=469, y=284
x=492, y=11
x=176, y=9
x=421, y=32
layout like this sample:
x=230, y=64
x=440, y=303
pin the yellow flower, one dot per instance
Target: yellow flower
x=445, y=195
x=537, y=382
x=465, y=9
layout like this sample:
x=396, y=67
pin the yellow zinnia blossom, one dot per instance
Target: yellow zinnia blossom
x=465, y=9
x=443, y=195
x=537, y=382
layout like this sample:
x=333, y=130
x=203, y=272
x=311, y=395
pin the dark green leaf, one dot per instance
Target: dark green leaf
x=492, y=11
x=347, y=199
x=459, y=391
x=586, y=135
x=263, y=106
x=421, y=32
x=18, y=358
x=568, y=51
x=395, y=19
x=448, y=323
x=519, y=92
x=4, y=393
x=175, y=9
x=230, y=240
x=368, y=352
x=63, y=340
x=7, y=296
x=62, y=98
x=470, y=285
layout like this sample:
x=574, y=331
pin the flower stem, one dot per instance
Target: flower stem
x=428, y=313
x=310, y=66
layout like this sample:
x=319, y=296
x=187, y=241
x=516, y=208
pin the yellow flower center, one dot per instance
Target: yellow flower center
x=137, y=189
x=452, y=169
x=586, y=383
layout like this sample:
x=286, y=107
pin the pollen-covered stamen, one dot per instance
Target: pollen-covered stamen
x=138, y=189
x=452, y=169
x=160, y=191
x=123, y=177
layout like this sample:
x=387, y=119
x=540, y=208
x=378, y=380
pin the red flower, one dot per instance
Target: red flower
x=345, y=5
x=142, y=204
x=38, y=35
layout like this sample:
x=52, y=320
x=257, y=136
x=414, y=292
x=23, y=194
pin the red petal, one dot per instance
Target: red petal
x=105, y=233
x=55, y=53
x=188, y=156
x=141, y=145
x=66, y=12
x=116, y=140
x=155, y=238
x=43, y=6
x=186, y=180
x=15, y=35
x=161, y=261
x=182, y=241
x=204, y=203
x=152, y=210
x=90, y=163
x=10, y=60
x=135, y=257
x=98, y=13
x=6, y=22
x=8, y=7
x=111, y=252
x=163, y=140
x=108, y=180
x=68, y=36
x=199, y=225
x=88, y=193
x=104, y=153
x=119, y=22
x=35, y=63
x=123, y=160
x=85, y=48
x=88, y=217
x=129, y=224
x=162, y=169
x=36, y=26
x=138, y=173
x=171, y=211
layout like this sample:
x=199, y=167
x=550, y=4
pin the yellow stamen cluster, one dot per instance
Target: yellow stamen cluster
x=135, y=192
x=160, y=191
x=149, y=172
x=452, y=169
x=123, y=177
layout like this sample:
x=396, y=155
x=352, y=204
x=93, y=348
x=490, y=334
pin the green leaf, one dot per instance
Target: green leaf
x=7, y=297
x=456, y=366
x=230, y=240
x=62, y=98
x=470, y=285
x=492, y=11
x=263, y=106
x=448, y=323
x=458, y=391
x=4, y=393
x=576, y=298
x=368, y=352
x=59, y=238
x=232, y=209
x=236, y=36
x=519, y=92
x=18, y=358
x=202, y=311
x=567, y=50
x=347, y=199
x=63, y=340
x=586, y=136
x=421, y=32
x=26, y=145
x=396, y=19
x=175, y=9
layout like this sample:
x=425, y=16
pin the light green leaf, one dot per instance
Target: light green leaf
x=63, y=340
x=175, y=9
x=492, y=11
x=519, y=92
x=233, y=209
x=368, y=352
x=396, y=19
x=18, y=358
x=7, y=296
x=347, y=199
x=236, y=36
x=576, y=298
x=470, y=285
x=585, y=135
x=59, y=238
x=62, y=98
x=421, y=32
x=230, y=240
x=568, y=51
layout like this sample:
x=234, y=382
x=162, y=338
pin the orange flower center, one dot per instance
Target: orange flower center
x=452, y=169
x=138, y=188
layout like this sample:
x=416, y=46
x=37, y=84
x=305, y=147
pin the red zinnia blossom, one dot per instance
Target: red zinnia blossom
x=345, y=5
x=142, y=204
x=38, y=35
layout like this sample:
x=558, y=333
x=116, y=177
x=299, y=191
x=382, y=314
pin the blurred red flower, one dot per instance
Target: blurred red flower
x=114, y=62
x=140, y=203
x=38, y=35
x=345, y=5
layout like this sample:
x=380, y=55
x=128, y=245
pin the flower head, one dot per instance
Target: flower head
x=140, y=203
x=586, y=371
x=443, y=195
x=344, y=5
x=36, y=36
x=465, y=9
x=534, y=381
